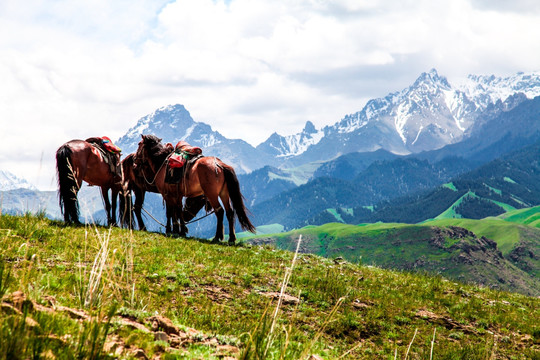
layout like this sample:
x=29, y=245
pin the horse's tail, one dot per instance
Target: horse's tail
x=67, y=185
x=237, y=198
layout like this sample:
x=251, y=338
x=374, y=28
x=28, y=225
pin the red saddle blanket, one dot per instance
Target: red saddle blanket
x=182, y=153
x=184, y=147
x=109, y=146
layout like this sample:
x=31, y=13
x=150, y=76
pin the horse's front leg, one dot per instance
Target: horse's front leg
x=180, y=216
x=137, y=208
x=178, y=221
x=169, y=211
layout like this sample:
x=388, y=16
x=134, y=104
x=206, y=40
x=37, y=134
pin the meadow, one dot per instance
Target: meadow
x=93, y=292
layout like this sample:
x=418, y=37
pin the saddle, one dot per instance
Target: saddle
x=110, y=153
x=184, y=155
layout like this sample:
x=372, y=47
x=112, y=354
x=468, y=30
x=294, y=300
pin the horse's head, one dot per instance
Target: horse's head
x=147, y=143
x=151, y=152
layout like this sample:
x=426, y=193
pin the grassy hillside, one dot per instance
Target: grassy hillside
x=92, y=293
x=528, y=216
x=491, y=252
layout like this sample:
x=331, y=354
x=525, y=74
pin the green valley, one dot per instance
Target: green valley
x=491, y=251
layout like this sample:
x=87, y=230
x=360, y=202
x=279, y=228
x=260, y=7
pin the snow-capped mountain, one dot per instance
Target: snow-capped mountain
x=174, y=123
x=485, y=90
x=431, y=113
x=9, y=181
x=292, y=145
x=428, y=115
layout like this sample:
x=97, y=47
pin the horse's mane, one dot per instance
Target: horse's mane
x=156, y=149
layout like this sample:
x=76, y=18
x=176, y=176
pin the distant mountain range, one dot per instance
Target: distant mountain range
x=427, y=115
x=412, y=140
x=9, y=181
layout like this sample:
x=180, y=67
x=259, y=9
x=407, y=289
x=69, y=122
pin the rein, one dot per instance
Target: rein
x=152, y=183
x=200, y=218
x=187, y=223
x=156, y=220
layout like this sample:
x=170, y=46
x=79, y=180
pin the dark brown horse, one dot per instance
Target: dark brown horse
x=136, y=181
x=78, y=161
x=207, y=176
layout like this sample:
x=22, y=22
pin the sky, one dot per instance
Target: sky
x=75, y=68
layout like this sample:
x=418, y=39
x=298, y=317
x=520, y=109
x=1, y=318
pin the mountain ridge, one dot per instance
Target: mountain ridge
x=428, y=115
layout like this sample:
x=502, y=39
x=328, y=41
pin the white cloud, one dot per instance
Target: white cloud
x=74, y=69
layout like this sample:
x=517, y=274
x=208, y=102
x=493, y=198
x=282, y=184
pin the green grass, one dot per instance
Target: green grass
x=450, y=213
x=496, y=191
x=450, y=186
x=335, y=214
x=264, y=229
x=216, y=294
x=528, y=216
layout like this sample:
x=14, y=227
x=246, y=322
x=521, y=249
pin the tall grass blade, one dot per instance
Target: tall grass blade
x=4, y=278
x=306, y=351
x=284, y=284
x=432, y=344
x=410, y=344
x=94, y=281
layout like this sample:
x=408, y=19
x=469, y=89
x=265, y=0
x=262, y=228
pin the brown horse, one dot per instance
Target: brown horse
x=79, y=160
x=207, y=176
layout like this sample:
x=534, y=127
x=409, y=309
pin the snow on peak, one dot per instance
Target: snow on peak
x=9, y=181
x=431, y=79
x=487, y=89
x=298, y=143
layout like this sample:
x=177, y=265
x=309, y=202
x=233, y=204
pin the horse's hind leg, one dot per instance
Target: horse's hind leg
x=230, y=214
x=219, y=215
x=71, y=214
x=105, y=194
x=219, y=227
x=114, y=195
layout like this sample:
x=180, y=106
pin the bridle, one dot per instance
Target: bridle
x=142, y=162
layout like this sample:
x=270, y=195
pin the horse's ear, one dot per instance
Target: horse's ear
x=143, y=136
